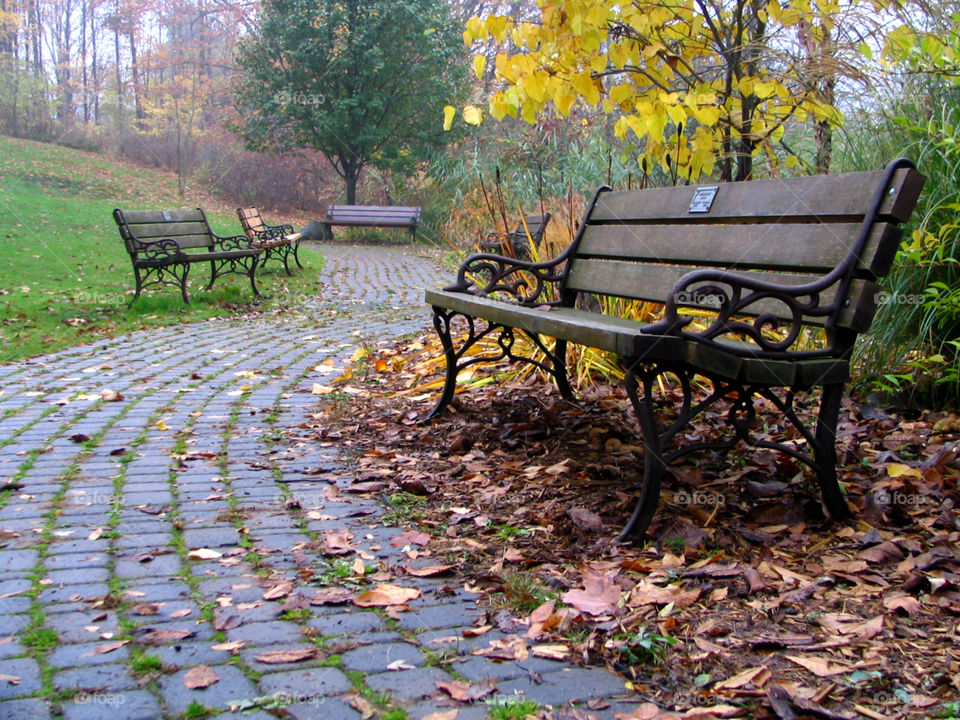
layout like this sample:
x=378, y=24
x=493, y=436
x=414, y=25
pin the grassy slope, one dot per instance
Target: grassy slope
x=65, y=277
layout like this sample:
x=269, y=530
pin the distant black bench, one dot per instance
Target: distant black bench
x=163, y=244
x=522, y=242
x=373, y=216
x=765, y=287
x=276, y=241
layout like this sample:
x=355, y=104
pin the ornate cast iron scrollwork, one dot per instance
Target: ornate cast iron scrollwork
x=166, y=250
x=457, y=359
x=526, y=283
x=233, y=242
x=663, y=441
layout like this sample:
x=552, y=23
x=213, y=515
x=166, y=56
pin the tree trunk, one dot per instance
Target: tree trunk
x=135, y=80
x=351, y=175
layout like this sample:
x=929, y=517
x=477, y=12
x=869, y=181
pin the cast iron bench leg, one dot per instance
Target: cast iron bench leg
x=653, y=464
x=825, y=454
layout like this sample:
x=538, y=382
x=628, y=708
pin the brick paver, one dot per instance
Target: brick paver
x=110, y=592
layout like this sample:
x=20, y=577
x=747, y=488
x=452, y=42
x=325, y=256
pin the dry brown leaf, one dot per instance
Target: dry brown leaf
x=146, y=608
x=442, y=715
x=295, y=655
x=106, y=647
x=200, y=677
x=648, y=593
x=410, y=537
x=820, y=666
x=279, y=590
x=363, y=706
x=158, y=636
x=428, y=571
x=511, y=647
x=554, y=651
x=467, y=692
x=907, y=603
x=385, y=595
x=600, y=594
x=756, y=676
x=233, y=646
x=330, y=596
x=477, y=631
x=183, y=612
x=337, y=542
x=9, y=679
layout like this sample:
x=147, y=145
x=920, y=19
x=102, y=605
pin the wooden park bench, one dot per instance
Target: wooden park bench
x=163, y=244
x=522, y=241
x=765, y=286
x=276, y=241
x=373, y=216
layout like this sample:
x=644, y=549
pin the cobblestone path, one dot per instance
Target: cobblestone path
x=136, y=533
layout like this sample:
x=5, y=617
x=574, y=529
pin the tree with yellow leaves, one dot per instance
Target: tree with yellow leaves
x=701, y=85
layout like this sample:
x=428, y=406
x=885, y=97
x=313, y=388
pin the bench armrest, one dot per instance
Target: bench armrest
x=232, y=242
x=527, y=283
x=738, y=301
x=280, y=230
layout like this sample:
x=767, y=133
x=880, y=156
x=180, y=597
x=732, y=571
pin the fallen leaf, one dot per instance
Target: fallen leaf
x=200, y=677
x=466, y=692
x=204, y=554
x=287, y=656
x=555, y=651
x=599, y=596
x=756, y=676
x=821, y=667
x=906, y=603
x=106, y=648
x=410, y=537
x=233, y=646
x=9, y=679
x=159, y=636
x=279, y=590
x=146, y=608
x=428, y=571
x=362, y=706
x=442, y=715
x=183, y=612
x=397, y=665
x=385, y=595
x=330, y=596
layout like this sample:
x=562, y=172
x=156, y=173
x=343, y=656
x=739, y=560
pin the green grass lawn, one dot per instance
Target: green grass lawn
x=65, y=277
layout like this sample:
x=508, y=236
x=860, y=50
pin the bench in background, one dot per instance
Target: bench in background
x=519, y=243
x=373, y=216
x=276, y=241
x=765, y=284
x=163, y=244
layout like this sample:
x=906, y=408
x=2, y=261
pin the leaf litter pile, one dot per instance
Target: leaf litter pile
x=745, y=601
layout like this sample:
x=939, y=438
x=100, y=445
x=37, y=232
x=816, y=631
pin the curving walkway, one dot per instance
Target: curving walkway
x=153, y=494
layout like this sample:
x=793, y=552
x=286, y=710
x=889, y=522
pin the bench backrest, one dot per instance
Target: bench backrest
x=834, y=233
x=373, y=215
x=188, y=226
x=251, y=221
